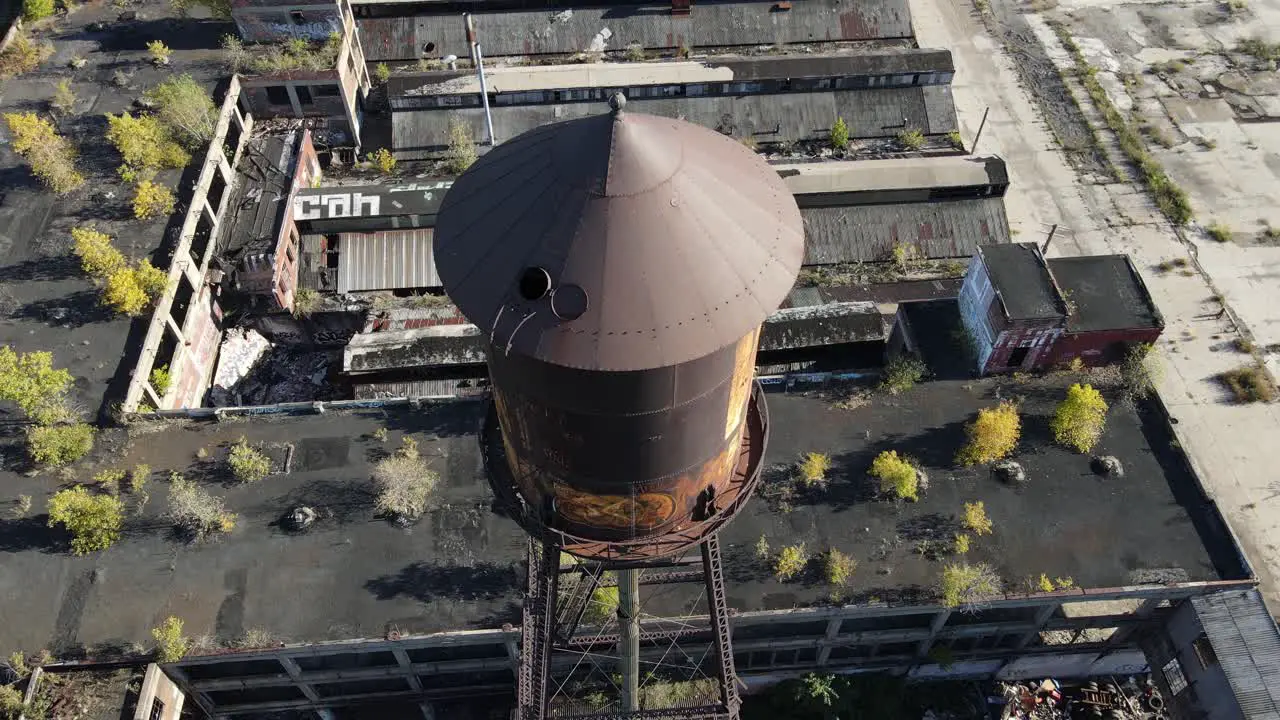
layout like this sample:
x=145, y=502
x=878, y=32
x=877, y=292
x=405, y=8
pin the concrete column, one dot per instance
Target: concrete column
x=1042, y=619
x=295, y=674
x=833, y=630
x=939, y=620
x=1143, y=612
x=293, y=100
x=629, y=622
x=402, y=659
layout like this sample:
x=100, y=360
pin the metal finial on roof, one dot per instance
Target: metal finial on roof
x=617, y=101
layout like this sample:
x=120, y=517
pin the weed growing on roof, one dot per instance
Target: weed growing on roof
x=911, y=139
x=462, y=148
x=247, y=463
x=898, y=479
x=976, y=520
x=58, y=445
x=993, y=435
x=812, y=469
x=840, y=134
x=404, y=483
x=838, y=567
x=151, y=200
x=94, y=521
x=64, y=98
x=171, y=644
x=195, y=510
x=789, y=562
x=962, y=584
x=50, y=156
x=901, y=374
x=1079, y=419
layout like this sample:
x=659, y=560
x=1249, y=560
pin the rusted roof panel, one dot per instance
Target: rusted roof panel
x=390, y=260
x=1247, y=643
x=661, y=242
x=868, y=233
x=573, y=30
x=820, y=325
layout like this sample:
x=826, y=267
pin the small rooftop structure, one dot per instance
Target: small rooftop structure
x=1024, y=312
x=815, y=184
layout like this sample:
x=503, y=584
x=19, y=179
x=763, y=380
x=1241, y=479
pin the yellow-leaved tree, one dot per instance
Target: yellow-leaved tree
x=992, y=435
x=151, y=200
x=127, y=290
x=897, y=476
x=98, y=257
x=145, y=145
x=50, y=156
x=1080, y=418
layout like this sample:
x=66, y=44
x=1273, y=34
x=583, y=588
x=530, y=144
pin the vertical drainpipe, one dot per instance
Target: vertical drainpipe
x=478, y=59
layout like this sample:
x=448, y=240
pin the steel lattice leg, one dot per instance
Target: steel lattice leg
x=718, y=606
x=539, y=622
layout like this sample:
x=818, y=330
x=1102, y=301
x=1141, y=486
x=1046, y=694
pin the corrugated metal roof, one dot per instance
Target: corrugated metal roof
x=390, y=260
x=465, y=387
x=788, y=117
x=1247, y=643
x=895, y=174
x=607, y=27
x=868, y=233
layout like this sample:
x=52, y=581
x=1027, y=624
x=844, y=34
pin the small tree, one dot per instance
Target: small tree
x=160, y=379
x=381, y=73
x=761, y=549
x=635, y=53
x=897, y=476
x=813, y=469
x=145, y=145
x=94, y=521
x=29, y=381
x=98, y=257
x=33, y=10
x=160, y=53
x=911, y=139
x=1079, y=419
x=64, y=98
x=462, y=149
x=603, y=604
x=247, y=463
x=49, y=155
x=1140, y=371
x=109, y=480
x=790, y=561
x=186, y=109
x=383, y=160
x=151, y=200
x=171, y=644
x=124, y=294
x=404, y=483
x=902, y=373
x=992, y=435
x=151, y=279
x=963, y=584
x=195, y=510
x=961, y=543
x=839, y=134
x=976, y=520
x=57, y=445
x=838, y=567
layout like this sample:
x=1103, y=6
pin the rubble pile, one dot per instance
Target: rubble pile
x=1135, y=699
x=241, y=350
x=252, y=371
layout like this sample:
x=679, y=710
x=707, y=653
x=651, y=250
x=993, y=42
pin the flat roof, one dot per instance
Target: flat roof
x=1022, y=281
x=719, y=68
x=1105, y=292
x=616, y=26
x=260, y=202
x=869, y=233
x=354, y=575
x=915, y=173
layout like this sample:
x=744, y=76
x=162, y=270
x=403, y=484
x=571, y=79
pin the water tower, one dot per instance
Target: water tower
x=620, y=266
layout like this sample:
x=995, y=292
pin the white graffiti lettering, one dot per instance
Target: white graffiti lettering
x=413, y=187
x=335, y=205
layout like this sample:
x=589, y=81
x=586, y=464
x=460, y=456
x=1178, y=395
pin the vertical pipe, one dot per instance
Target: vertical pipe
x=1044, y=250
x=629, y=621
x=484, y=97
x=974, y=147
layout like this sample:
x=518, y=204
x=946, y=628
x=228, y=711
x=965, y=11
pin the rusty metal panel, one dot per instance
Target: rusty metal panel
x=649, y=242
x=868, y=233
x=388, y=38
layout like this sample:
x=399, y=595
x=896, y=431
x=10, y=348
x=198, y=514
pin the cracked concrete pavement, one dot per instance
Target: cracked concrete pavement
x=1231, y=446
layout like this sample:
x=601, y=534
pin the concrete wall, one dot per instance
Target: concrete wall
x=159, y=698
x=189, y=349
x=1038, y=337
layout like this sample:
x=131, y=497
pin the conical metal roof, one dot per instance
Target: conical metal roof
x=621, y=241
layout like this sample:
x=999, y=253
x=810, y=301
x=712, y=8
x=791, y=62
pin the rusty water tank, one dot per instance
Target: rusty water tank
x=620, y=266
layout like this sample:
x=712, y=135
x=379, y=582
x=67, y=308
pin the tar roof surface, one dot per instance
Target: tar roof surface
x=354, y=575
x=1021, y=278
x=1106, y=293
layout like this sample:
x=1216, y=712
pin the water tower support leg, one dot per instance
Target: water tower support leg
x=629, y=622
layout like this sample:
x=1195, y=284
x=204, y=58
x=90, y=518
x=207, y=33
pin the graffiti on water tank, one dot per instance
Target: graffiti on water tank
x=646, y=510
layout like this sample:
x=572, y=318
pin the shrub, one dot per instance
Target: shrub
x=11, y=702
x=151, y=200
x=956, y=141
x=160, y=379
x=462, y=148
x=961, y=543
x=1139, y=371
x=761, y=549
x=124, y=294
x=145, y=145
x=838, y=567
x=1249, y=384
x=383, y=160
x=139, y=476
x=29, y=381
x=49, y=155
x=185, y=108
x=1079, y=419
x=603, y=604
x=23, y=55
x=1219, y=232
x=305, y=302
x=840, y=134
x=1064, y=583
x=94, y=521
x=1044, y=584
x=911, y=139
x=897, y=477
x=902, y=373
x=404, y=483
x=33, y=10
x=98, y=257
x=1259, y=49
x=109, y=480
x=64, y=98
x=195, y=510
x=151, y=279
x=992, y=435
x=171, y=644
x=57, y=445
x=790, y=561
x=813, y=469
x=160, y=52
x=976, y=520
x=381, y=73
x=635, y=53
x=963, y=584
x=247, y=463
